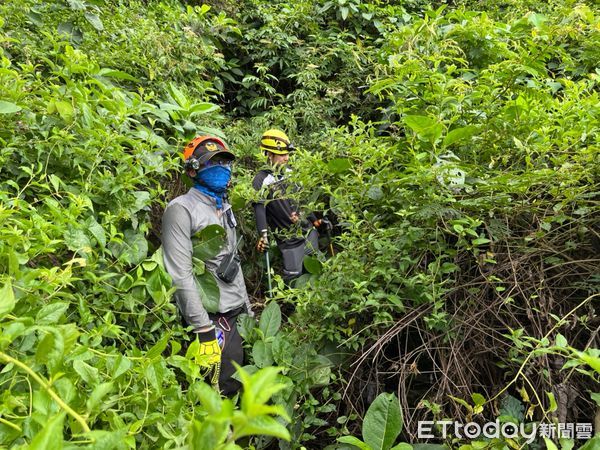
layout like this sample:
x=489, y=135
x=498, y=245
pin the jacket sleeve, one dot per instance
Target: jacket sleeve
x=260, y=211
x=177, y=256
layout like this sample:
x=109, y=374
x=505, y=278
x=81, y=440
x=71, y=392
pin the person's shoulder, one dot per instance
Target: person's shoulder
x=259, y=178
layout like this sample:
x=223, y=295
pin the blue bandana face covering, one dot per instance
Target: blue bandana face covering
x=213, y=182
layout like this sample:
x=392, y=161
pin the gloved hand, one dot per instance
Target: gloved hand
x=208, y=352
x=263, y=243
x=326, y=224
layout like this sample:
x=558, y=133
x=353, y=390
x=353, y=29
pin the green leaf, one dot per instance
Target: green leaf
x=354, y=441
x=566, y=444
x=118, y=74
x=261, y=354
x=159, y=347
x=97, y=231
x=107, y=440
x=209, y=241
x=561, y=341
x=459, y=134
x=550, y=445
x=133, y=249
x=8, y=107
x=553, y=406
x=270, y=320
x=210, y=399
x=596, y=397
x=209, y=291
x=76, y=239
x=94, y=20
x=402, y=446
x=87, y=373
x=383, y=422
x=7, y=298
x=51, y=436
x=263, y=425
x=478, y=399
x=313, y=265
x=339, y=165
x=344, y=12
x=98, y=395
x=427, y=128
x=65, y=110
x=50, y=314
x=512, y=407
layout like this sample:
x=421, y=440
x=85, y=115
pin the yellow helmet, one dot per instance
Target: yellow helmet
x=275, y=141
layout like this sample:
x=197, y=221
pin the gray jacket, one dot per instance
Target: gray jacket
x=183, y=217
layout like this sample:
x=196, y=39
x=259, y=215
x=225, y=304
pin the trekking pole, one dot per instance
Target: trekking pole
x=330, y=243
x=268, y=267
x=328, y=228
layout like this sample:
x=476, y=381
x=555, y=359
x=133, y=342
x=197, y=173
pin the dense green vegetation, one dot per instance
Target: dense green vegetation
x=455, y=147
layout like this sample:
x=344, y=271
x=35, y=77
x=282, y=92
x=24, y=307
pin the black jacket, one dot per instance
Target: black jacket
x=274, y=210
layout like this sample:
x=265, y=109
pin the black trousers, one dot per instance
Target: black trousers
x=232, y=350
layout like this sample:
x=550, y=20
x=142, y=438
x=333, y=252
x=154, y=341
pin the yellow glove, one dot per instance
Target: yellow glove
x=208, y=352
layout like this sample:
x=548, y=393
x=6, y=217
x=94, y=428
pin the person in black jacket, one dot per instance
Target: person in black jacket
x=279, y=214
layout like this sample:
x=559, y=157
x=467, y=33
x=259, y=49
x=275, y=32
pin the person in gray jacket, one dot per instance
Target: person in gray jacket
x=216, y=339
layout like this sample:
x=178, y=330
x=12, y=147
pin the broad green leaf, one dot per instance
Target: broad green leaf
x=591, y=360
x=596, y=397
x=270, y=320
x=549, y=444
x=427, y=128
x=339, y=165
x=117, y=74
x=261, y=354
x=263, y=425
x=209, y=241
x=51, y=436
x=50, y=314
x=313, y=265
x=566, y=444
x=354, y=441
x=7, y=298
x=159, y=347
x=260, y=386
x=561, y=341
x=65, y=110
x=8, y=107
x=478, y=399
x=210, y=399
x=209, y=291
x=94, y=20
x=383, y=422
x=121, y=365
x=205, y=435
x=203, y=108
x=402, y=446
x=98, y=394
x=108, y=440
x=97, y=231
x=536, y=19
x=133, y=249
x=87, y=373
x=459, y=134
x=76, y=239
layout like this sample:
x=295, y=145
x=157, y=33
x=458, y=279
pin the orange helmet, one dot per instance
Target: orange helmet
x=202, y=148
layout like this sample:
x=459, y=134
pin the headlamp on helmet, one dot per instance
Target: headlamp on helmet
x=276, y=141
